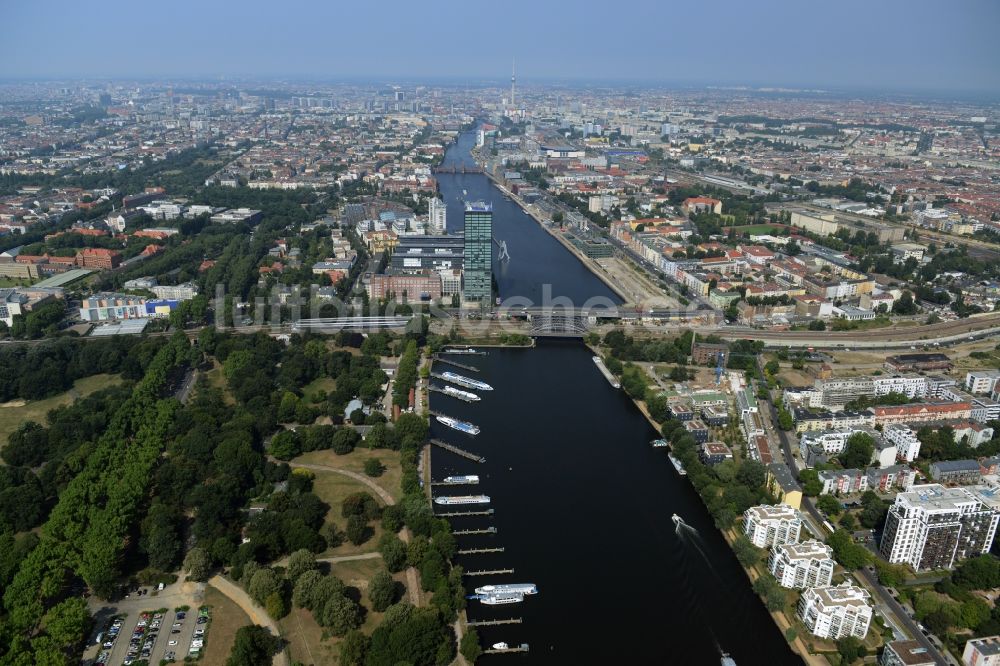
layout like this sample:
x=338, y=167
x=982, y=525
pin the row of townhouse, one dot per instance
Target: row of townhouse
x=923, y=412
x=882, y=479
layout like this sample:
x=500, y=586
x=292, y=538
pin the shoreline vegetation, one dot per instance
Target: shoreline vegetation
x=787, y=625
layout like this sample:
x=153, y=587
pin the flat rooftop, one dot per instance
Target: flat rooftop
x=842, y=595
x=936, y=496
x=807, y=550
x=63, y=279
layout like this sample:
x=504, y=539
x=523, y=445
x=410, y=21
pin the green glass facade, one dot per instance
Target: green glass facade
x=478, y=268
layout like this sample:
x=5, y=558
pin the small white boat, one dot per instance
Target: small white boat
x=501, y=646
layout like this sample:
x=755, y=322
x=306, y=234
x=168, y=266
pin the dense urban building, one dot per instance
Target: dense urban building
x=931, y=526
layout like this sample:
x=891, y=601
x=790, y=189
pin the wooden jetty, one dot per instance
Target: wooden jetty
x=489, y=572
x=457, y=364
x=459, y=514
x=477, y=551
x=487, y=530
x=493, y=623
x=454, y=449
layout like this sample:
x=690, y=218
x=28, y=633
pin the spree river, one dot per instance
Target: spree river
x=582, y=503
x=536, y=259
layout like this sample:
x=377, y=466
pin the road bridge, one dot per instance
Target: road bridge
x=349, y=323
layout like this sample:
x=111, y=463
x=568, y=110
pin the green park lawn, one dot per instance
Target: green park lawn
x=16, y=412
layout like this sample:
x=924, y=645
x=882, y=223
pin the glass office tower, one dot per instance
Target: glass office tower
x=478, y=269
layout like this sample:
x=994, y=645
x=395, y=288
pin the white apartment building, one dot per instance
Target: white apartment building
x=985, y=410
x=982, y=382
x=931, y=526
x=912, y=386
x=437, y=216
x=982, y=652
x=176, y=292
x=836, y=612
x=907, y=444
x=772, y=524
x=801, y=565
x=835, y=393
x=831, y=441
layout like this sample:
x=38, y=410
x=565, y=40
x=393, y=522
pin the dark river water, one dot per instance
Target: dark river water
x=582, y=503
x=536, y=259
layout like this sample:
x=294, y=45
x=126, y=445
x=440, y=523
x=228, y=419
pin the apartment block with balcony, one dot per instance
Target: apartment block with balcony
x=801, y=565
x=836, y=612
x=769, y=525
x=932, y=527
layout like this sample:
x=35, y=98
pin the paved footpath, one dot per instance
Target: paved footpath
x=256, y=613
x=411, y=574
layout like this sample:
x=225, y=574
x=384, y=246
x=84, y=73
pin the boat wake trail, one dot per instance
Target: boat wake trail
x=689, y=535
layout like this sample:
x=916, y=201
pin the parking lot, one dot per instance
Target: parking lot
x=145, y=623
x=153, y=635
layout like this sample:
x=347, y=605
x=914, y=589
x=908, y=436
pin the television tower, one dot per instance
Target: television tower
x=513, y=104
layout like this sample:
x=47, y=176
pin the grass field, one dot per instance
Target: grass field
x=322, y=384
x=355, y=462
x=16, y=412
x=755, y=229
x=305, y=639
x=332, y=488
x=217, y=380
x=306, y=642
x=227, y=618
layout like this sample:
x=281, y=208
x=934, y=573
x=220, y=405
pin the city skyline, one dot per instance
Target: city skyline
x=881, y=47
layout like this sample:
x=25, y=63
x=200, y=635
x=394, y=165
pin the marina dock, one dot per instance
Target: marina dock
x=477, y=551
x=488, y=530
x=457, y=451
x=464, y=366
x=599, y=362
x=489, y=572
x=459, y=514
x=454, y=483
x=493, y=623
x=438, y=389
x=462, y=350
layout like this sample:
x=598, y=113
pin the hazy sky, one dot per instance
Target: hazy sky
x=877, y=44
